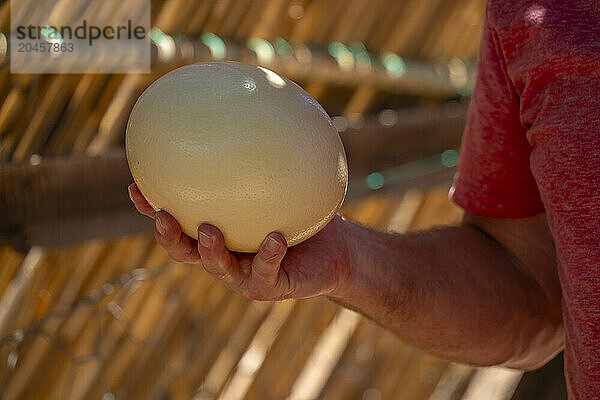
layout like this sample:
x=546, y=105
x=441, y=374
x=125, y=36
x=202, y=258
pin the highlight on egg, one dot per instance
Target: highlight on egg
x=239, y=147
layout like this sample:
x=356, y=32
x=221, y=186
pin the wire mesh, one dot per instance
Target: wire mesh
x=117, y=320
x=105, y=307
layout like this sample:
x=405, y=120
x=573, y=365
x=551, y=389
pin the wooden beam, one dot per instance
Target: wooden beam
x=66, y=200
x=395, y=137
x=442, y=78
x=335, y=65
x=62, y=201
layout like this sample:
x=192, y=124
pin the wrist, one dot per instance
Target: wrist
x=346, y=268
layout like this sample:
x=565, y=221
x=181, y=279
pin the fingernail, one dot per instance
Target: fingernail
x=204, y=238
x=160, y=224
x=271, y=248
x=129, y=190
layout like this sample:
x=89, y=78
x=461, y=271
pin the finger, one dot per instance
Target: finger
x=267, y=263
x=180, y=247
x=140, y=202
x=215, y=257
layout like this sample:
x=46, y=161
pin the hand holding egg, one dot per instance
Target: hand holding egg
x=238, y=147
x=231, y=154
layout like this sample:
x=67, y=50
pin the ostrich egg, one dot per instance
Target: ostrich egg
x=239, y=147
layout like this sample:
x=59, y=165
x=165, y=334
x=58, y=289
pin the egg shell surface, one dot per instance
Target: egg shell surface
x=239, y=147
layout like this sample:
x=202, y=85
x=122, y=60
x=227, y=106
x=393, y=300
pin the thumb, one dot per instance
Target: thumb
x=266, y=266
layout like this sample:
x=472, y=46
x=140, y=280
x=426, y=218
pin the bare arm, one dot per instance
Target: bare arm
x=484, y=293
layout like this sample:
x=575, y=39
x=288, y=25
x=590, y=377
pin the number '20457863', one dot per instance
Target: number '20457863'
x=44, y=47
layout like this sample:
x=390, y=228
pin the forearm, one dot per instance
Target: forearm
x=454, y=292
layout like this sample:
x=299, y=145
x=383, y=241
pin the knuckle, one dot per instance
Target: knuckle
x=268, y=276
x=142, y=210
x=168, y=238
x=218, y=273
x=258, y=294
x=178, y=256
x=178, y=259
x=190, y=256
x=222, y=276
x=164, y=242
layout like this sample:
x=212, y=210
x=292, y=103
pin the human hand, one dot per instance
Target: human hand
x=316, y=266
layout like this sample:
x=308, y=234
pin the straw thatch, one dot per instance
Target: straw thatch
x=92, y=308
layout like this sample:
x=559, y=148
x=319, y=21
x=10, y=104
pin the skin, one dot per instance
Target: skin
x=484, y=293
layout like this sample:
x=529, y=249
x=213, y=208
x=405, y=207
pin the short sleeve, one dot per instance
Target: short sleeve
x=494, y=178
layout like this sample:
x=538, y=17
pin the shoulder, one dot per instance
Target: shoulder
x=503, y=14
x=506, y=14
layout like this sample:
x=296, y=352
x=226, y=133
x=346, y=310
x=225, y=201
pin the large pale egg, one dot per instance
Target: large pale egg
x=239, y=147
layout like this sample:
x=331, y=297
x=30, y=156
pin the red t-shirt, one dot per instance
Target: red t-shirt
x=532, y=144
